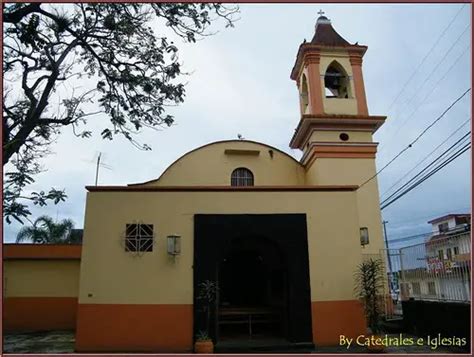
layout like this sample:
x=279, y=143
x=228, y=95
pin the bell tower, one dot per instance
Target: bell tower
x=335, y=129
x=329, y=68
x=333, y=105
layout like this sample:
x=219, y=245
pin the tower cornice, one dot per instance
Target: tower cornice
x=338, y=150
x=325, y=122
x=311, y=51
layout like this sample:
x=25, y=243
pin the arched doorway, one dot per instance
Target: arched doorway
x=253, y=290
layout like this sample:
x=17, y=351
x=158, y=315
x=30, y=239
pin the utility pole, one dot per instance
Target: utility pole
x=388, y=253
x=97, y=169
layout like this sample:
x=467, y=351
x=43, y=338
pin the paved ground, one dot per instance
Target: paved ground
x=39, y=342
x=63, y=342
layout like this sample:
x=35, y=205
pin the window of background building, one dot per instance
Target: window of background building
x=139, y=237
x=449, y=254
x=443, y=227
x=441, y=254
x=241, y=177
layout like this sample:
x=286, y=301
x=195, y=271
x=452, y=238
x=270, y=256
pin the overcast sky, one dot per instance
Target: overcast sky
x=240, y=83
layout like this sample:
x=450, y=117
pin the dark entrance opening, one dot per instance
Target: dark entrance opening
x=252, y=298
x=260, y=263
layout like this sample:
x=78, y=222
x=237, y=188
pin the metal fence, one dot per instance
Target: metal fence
x=438, y=269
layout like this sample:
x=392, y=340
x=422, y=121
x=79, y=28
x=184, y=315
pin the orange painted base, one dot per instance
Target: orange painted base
x=331, y=319
x=39, y=313
x=134, y=328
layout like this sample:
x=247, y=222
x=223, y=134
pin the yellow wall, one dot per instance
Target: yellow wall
x=210, y=166
x=155, y=278
x=354, y=136
x=352, y=171
x=40, y=294
x=41, y=278
x=340, y=106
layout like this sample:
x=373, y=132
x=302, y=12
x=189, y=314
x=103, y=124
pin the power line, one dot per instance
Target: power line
x=426, y=168
x=431, y=173
x=433, y=88
x=431, y=215
x=403, y=239
x=427, y=156
x=409, y=100
x=418, y=137
x=426, y=80
x=427, y=176
x=439, y=118
x=431, y=164
x=417, y=236
x=426, y=56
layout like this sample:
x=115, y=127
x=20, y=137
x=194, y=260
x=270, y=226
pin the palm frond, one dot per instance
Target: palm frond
x=24, y=234
x=46, y=231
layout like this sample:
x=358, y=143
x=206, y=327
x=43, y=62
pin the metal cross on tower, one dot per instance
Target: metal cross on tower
x=320, y=12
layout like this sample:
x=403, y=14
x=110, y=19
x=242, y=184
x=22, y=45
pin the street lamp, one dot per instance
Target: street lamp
x=364, y=236
x=174, y=244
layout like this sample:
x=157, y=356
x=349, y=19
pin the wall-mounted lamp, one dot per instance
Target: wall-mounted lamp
x=364, y=236
x=174, y=244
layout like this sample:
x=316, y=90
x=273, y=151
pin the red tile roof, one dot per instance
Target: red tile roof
x=326, y=35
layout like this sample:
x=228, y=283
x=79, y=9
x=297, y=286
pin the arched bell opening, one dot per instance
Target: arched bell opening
x=336, y=82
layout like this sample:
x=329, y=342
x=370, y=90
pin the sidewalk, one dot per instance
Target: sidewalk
x=39, y=342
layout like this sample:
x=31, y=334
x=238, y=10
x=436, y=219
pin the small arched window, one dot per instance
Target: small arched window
x=336, y=81
x=241, y=177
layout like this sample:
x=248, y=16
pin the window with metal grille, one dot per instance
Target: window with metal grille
x=139, y=237
x=241, y=177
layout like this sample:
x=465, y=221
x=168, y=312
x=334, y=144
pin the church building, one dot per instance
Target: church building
x=279, y=239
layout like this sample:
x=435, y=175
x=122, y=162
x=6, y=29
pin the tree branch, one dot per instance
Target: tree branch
x=17, y=15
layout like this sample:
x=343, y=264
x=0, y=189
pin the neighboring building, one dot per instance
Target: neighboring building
x=281, y=238
x=450, y=223
x=445, y=270
x=40, y=286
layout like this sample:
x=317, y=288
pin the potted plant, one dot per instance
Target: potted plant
x=369, y=278
x=203, y=343
x=208, y=293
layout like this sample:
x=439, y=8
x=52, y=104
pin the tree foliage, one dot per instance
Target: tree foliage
x=133, y=75
x=45, y=231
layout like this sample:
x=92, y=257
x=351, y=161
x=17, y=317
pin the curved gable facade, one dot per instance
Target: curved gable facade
x=213, y=164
